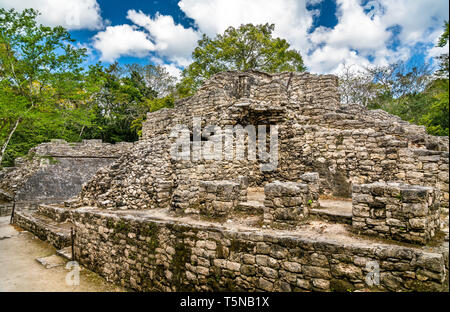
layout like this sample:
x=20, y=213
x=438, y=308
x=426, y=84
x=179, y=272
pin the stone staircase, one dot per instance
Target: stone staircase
x=48, y=222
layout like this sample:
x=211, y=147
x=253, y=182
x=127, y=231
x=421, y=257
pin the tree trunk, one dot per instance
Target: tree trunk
x=5, y=145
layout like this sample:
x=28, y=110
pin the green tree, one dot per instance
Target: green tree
x=436, y=117
x=40, y=75
x=125, y=95
x=245, y=48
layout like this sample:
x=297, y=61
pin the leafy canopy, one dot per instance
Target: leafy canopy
x=126, y=94
x=245, y=48
x=41, y=81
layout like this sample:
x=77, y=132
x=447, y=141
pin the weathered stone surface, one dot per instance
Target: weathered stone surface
x=287, y=203
x=343, y=144
x=397, y=211
x=56, y=171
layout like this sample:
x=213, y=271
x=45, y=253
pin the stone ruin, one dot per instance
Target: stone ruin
x=53, y=172
x=358, y=200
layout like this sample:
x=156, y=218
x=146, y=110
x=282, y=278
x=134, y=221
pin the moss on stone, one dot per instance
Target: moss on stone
x=178, y=265
x=150, y=231
x=241, y=246
x=122, y=227
x=339, y=139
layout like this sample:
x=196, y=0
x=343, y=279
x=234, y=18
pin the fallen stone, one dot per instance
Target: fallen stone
x=52, y=261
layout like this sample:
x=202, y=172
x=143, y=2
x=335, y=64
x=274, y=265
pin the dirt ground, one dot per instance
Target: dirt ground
x=19, y=270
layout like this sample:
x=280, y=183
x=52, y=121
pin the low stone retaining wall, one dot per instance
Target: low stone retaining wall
x=155, y=255
x=57, y=237
x=55, y=213
x=402, y=212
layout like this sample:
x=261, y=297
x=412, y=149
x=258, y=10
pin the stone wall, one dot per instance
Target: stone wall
x=402, y=212
x=140, y=179
x=152, y=255
x=85, y=149
x=285, y=204
x=219, y=198
x=43, y=230
x=358, y=156
x=61, y=179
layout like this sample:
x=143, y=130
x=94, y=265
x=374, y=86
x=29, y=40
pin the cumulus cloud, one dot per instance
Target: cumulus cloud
x=417, y=19
x=171, y=68
x=172, y=41
x=329, y=59
x=355, y=29
x=437, y=51
x=291, y=18
x=361, y=37
x=71, y=14
x=122, y=40
x=364, y=34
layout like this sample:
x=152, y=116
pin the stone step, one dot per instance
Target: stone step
x=338, y=211
x=253, y=207
x=72, y=203
x=333, y=216
x=47, y=229
x=56, y=213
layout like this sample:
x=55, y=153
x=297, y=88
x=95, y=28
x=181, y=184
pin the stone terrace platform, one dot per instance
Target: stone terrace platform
x=160, y=251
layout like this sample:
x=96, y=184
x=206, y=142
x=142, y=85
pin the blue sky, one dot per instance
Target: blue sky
x=330, y=34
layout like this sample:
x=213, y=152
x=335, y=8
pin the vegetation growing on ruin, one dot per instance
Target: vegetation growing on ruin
x=150, y=231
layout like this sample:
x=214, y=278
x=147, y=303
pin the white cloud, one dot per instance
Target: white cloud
x=368, y=30
x=355, y=29
x=416, y=18
x=171, y=68
x=436, y=51
x=330, y=59
x=172, y=41
x=121, y=40
x=71, y=14
x=358, y=35
x=291, y=18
